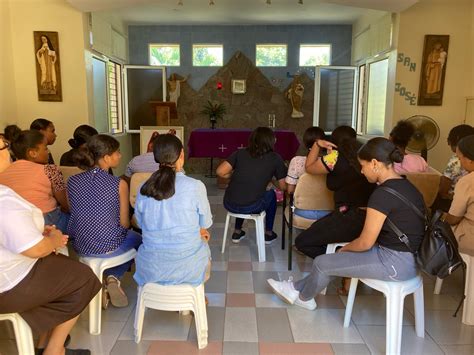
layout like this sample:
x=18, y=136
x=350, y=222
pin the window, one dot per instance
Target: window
x=107, y=95
x=164, y=54
x=271, y=55
x=115, y=97
x=315, y=54
x=377, y=97
x=208, y=55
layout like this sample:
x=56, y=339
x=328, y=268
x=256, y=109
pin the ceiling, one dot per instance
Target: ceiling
x=168, y=12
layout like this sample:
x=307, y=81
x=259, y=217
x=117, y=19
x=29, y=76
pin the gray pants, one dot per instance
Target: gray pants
x=378, y=263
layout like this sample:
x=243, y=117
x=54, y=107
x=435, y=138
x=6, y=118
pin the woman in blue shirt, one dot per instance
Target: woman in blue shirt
x=174, y=213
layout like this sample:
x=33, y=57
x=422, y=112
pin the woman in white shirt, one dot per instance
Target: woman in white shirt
x=49, y=291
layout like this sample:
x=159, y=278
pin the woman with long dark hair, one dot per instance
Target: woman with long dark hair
x=351, y=192
x=99, y=204
x=46, y=127
x=80, y=137
x=174, y=214
x=376, y=253
x=250, y=170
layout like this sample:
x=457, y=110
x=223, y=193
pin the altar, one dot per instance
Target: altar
x=221, y=142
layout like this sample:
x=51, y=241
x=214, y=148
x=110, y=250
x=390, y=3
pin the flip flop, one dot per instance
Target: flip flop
x=118, y=298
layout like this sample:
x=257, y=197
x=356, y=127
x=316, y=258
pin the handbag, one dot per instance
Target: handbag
x=438, y=253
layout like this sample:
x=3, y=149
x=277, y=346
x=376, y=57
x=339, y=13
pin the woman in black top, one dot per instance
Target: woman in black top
x=376, y=253
x=81, y=136
x=250, y=170
x=351, y=192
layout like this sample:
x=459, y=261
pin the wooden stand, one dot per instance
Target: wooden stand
x=165, y=111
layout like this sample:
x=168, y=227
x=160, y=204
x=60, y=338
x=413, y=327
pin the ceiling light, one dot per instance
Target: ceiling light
x=180, y=3
x=269, y=2
x=300, y=2
x=211, y=2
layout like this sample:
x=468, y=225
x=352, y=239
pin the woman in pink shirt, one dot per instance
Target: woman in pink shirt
x=35, y=180
x=400, y=136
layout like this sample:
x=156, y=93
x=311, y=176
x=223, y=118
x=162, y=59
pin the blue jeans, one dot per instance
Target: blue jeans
x=132, y=240
x=58, y=218
x=311, y=214
x=378, y=263
x=267, y=203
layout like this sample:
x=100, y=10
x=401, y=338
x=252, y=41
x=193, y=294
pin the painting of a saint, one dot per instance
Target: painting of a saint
x=47, y=68
x=433, y=71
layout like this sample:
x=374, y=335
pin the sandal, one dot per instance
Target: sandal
x=118, y=298
x=105, y=298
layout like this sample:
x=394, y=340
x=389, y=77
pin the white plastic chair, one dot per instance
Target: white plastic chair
x=395, y=292
x=173, y=298
x=331, y=249
x=98, y=265
x=23, y=335
x=259, y=227
x=438, y=285
x=468, y=306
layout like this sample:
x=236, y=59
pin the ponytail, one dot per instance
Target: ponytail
x=96, y=148
x=161, y=184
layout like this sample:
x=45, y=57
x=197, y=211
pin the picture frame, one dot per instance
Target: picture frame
x=239, y=86
x=48, y=68
x=147, y=131
x=433, y=70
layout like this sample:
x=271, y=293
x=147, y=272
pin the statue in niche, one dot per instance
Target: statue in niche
x=174, y=86
x=295, y=94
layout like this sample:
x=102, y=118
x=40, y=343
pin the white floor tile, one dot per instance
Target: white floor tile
x=98, y=344
x=240, y=324
x=446, y=330
x=239, y=282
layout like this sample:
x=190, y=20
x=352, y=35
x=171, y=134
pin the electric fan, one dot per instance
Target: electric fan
x=426, y=135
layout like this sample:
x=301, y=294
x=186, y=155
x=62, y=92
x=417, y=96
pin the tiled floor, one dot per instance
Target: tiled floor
x=244, y=316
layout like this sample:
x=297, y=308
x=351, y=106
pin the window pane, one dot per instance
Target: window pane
x=376, y=98
x=312, y=55
x=115, y=98
x=271, y=55
x=205, y=55
x=164, y=54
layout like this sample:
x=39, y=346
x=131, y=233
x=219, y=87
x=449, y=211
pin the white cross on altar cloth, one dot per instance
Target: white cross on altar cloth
x=222, y=148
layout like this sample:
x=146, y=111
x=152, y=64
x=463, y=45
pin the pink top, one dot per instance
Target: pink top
x=36, y=183
x=411, y=163
x=295, y=170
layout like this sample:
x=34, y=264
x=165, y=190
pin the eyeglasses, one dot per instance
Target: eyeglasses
x=6, y=145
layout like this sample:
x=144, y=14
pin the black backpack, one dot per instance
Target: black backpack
x=438, y=254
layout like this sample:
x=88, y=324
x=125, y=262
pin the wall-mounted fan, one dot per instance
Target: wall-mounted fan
x=426, y=135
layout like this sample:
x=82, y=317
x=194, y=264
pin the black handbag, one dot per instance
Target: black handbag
x=438, y=254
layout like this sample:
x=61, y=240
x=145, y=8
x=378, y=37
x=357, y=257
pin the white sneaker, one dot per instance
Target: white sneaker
x=309, y=305
x=284, y=290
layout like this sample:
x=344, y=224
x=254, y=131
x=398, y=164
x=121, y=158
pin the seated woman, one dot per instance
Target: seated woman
x=11, y=133
x=453, y=171
x=296, y=169
x=35, y=180
x=461, y=212
x=250, y=170
x=351, y=192
x=376, y=253
x=80, y=137
x=174, y=214
x=400, y=136
x=99, y=203
x=143, y=163
x=46, y=127
x=49, y=291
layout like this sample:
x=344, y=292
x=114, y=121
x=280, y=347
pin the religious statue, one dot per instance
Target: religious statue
x=46, y=57
x=295, y=94
x=174, y=85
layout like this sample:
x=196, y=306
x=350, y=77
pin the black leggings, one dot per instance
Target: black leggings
x=333, y=228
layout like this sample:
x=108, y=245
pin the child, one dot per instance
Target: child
x=47, y=128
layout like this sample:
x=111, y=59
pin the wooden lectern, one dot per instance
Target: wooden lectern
x=164, y=111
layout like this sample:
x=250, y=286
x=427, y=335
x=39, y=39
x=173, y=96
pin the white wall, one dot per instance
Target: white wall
x=7, y=84
x=27, y=16
x=437, y=17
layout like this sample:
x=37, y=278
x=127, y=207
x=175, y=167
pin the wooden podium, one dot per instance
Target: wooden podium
x=164, y=111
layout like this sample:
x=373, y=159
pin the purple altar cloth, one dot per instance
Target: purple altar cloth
x=220, y=143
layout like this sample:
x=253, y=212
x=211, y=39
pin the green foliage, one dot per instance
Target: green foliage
x=316, y=55
x=271, y=56
x=214, y=110
x=164, y=56
x=204, y=57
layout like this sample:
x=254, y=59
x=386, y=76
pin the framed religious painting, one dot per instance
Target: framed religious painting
x=47, y=59
x=433, y=70
x=147, y=132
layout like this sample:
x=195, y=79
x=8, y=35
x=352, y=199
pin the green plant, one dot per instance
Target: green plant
x=215, y=111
